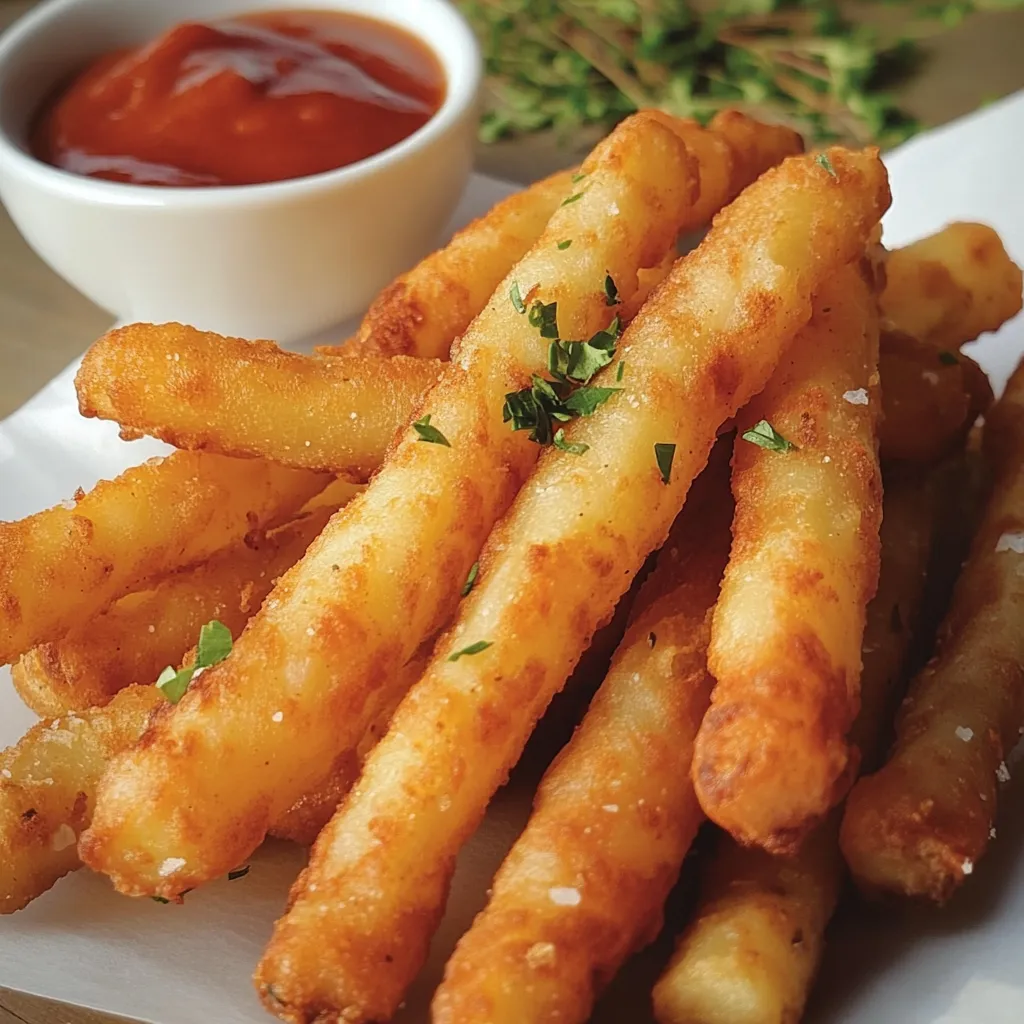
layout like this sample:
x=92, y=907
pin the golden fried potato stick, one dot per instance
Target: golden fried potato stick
x=771, y=756
x=615, y=814
x=950, y=287
x=387, y=571
x=930, y=399
x=70, y=562
x=752, y=950
x=919, y=825
x=201, y=391
x=134, y=639
x=363, y=912
x=426, y=309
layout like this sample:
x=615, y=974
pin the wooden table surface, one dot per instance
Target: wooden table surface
x=44, y=323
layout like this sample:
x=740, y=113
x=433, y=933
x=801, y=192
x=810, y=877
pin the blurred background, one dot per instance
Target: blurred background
x=560, y=72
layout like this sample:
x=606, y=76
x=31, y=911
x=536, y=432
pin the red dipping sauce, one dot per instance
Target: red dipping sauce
x=259, y=98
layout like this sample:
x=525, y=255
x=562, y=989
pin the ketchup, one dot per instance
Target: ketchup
x=259, y=98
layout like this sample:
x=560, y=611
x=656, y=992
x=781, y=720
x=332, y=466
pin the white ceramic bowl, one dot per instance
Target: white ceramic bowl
x=283, y=259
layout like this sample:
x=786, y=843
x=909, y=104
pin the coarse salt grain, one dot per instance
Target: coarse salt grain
x=564, y=896
x=968, y=866
x=152, y=629
x=856, y=397
x=610, y=808
x=931, y=376
x=170, y=865
x=991, y=833
x=277, y=716
x=1002, y=772
x=964, y=733
x=6, y=773
x=63, y=838
x=541, y=954
x=1011, y=542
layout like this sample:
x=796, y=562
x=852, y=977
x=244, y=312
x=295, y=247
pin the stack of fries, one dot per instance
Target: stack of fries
x=537, y=408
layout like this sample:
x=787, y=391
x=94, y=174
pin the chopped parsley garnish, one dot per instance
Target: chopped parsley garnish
x=564, y=244
x=823, y=161
x=238, y=873
x=578, y=361
x=611, y=291
x=474, y=571
x=620, y=371
x=663, y=455
x=517, y=299
x=948, y=359
x=213, y=647
x=428, y=433
x=544, y=316
x=586, y=401
x=572, y=447
x=764, y=435
x=573, y=198
x=480, y=645
x=578, y=177
x=159, y=899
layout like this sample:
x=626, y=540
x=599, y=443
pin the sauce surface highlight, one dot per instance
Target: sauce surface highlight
x=258, y=98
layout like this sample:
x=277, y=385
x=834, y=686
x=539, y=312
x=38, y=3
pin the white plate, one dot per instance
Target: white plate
x=179, y=965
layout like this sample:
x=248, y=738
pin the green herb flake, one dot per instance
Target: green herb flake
x=764, y=435
x=428, y=433
x=174, y=682
x=238, y=873
x=611, y=291
x=948, y=359
x=544, y=316
x=159, y=899
x=573, y=198
x=578, y=177
x=474, y=571
x=578, y=361
x=572, y=447
x=586, y=401
x=564, y=244
x=663, y=455
x=620, y=370
x=213, y=647
x=517, y=299
x=476, y=648
x=822, y=160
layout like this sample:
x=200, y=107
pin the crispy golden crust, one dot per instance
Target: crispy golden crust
x=134, y=639
x=920, y=824
x=613, y=817
x=750, y=954
x=70, y=562
x=386, y=573
x=950, y=287
x=47, y=782
x=930, y=400
x=771, y=756
x=204, y=392
x=551, y=573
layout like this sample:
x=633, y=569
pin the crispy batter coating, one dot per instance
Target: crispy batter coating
x=363, y=912
x=70, y=562
x=919, y=825
x=422, y=312
x=750, y=954
x=207, y=780
x=583, y=887
x=134, y=639
x=47, y=782
x=930, y=399
x=204, y=392
x=771, y=755
x=950, y=287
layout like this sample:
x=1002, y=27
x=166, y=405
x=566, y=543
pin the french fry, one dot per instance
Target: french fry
x=771, y=756
x=362, y=913
x=134, y=639
x=950, y=287
x=930, y=399
x=919, y=825
x=70, y=562
x=753, y=948
x=426, y=309
x=387, y=571
x=204, y=392
x=614, y=816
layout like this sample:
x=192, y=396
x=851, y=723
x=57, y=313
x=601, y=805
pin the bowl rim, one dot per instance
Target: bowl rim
x=460, y=58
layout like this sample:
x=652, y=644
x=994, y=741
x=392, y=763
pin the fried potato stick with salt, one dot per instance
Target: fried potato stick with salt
x=426, y=309
x=134, y=639
x=70, y=562
x=362, y=914
x=952, y=286
x=771, y=757
x=614, y=816
x=387, y=571
x=919, y=825
x=203, y=392
x=753, y=948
